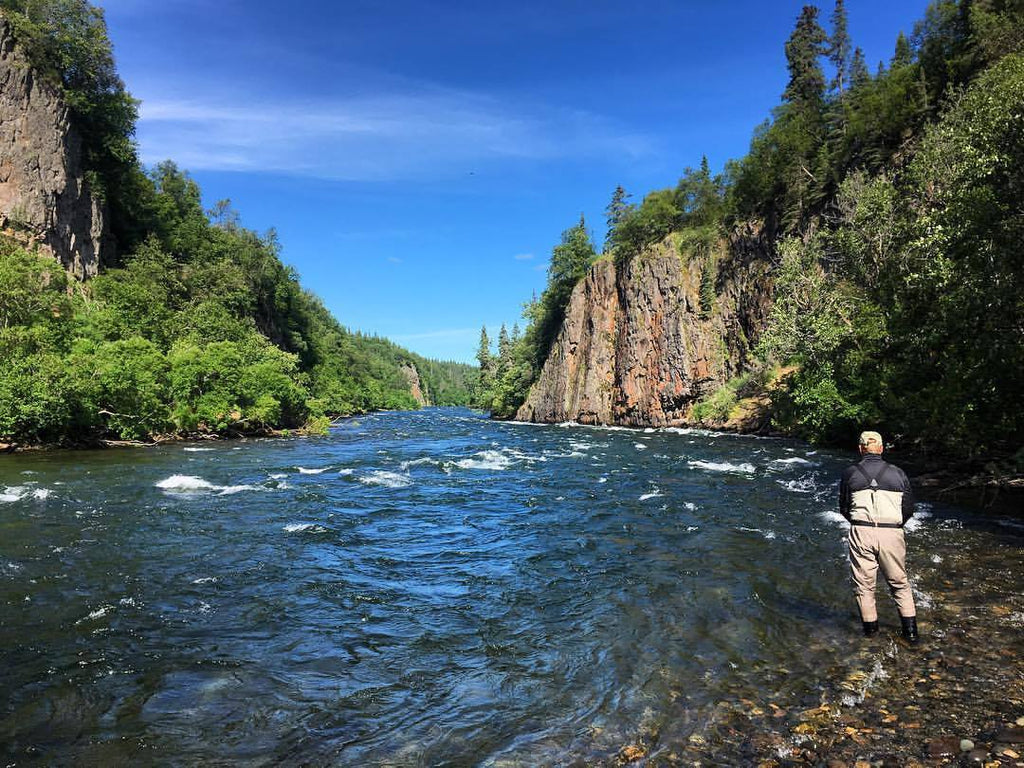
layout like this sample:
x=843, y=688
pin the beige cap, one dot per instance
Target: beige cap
x=871, y=438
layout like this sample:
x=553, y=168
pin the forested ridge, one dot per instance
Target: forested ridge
x=197, y=326
x=891, y=204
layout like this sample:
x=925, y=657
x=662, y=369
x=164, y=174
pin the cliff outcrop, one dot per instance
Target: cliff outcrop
x=412, y=376
x=638, y=348
x=44, y=198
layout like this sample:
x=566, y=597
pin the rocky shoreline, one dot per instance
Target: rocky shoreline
x=956, y=699
x=185, y=437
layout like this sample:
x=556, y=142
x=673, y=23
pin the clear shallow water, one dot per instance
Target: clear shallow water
x=424, y=588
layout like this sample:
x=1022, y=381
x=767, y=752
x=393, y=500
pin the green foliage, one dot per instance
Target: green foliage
x=33, y=290
x=505, y=380
x=906, y=311
x=509, y=390
x=645, y=225
x=130, y=379
x=833, y=330
x=485, y=363
x=960, y=278
x=317, y=425
x=997, y=29
x=696, y=208
x=707, y=286
x=716, y=408
x=202, y=329
x=570, y=260
x=446, y=382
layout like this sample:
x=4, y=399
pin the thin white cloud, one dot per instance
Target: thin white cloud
x=381, y=138
x=523, y=256
x=394, y=260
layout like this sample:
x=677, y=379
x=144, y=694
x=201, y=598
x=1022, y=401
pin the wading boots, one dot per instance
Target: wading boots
x=910, y=629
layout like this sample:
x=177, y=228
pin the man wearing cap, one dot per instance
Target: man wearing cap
x=875, y=497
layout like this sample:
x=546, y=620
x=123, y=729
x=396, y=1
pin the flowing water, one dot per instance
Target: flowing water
x=433, y=588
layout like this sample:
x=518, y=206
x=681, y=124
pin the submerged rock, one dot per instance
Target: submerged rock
x=946, y=746
x=1010, y=735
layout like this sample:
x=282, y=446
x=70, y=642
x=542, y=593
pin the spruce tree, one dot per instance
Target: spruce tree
x=802, y=124
x=839, y=47
x=504, y=350
x=806, y=86
x=483, y=352
x=616, y=211
x=859, y=73
x=903, y=54
x=485, y=384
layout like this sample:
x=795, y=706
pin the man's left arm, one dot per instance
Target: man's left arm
x=909, y=503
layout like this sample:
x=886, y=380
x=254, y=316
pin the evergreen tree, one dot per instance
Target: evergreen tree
x=616, y=211
x=485, y=380
x=699, y=197
x=903, y=54
x=839, y=48
x=799, y=132
x=504, y=350
x=570, y=260
x=483, y=352
x=859, y=74
x=806, y=86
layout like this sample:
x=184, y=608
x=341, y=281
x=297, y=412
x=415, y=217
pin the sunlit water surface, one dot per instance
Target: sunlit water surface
x=420, y=588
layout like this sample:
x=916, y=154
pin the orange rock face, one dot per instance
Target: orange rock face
x=636, y=349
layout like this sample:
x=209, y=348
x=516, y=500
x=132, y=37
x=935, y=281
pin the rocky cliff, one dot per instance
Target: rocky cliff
x=412, y=376
x=44, y=198
x=637, y=347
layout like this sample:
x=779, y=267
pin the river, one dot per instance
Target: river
x=434, y=588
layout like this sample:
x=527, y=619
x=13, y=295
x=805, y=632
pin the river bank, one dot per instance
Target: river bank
x=317, y=428
x=957, y=698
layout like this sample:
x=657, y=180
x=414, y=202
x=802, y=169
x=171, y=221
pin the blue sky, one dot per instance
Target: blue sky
x=419, y=160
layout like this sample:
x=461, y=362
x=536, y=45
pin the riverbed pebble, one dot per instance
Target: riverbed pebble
x=976, y=757
x=1010, y=735
x=966, y=745
x=946, y=746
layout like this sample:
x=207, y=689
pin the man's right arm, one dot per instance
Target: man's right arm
x=845, y=498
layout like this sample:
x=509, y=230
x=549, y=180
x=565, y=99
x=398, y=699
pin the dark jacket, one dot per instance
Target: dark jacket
x=873, y=491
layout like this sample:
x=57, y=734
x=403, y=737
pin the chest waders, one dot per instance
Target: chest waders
x=874, y=545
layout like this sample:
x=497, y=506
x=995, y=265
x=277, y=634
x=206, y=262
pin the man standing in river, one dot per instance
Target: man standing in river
x=875, y=497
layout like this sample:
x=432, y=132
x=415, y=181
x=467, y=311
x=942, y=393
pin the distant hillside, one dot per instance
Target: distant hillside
x=127, y=310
